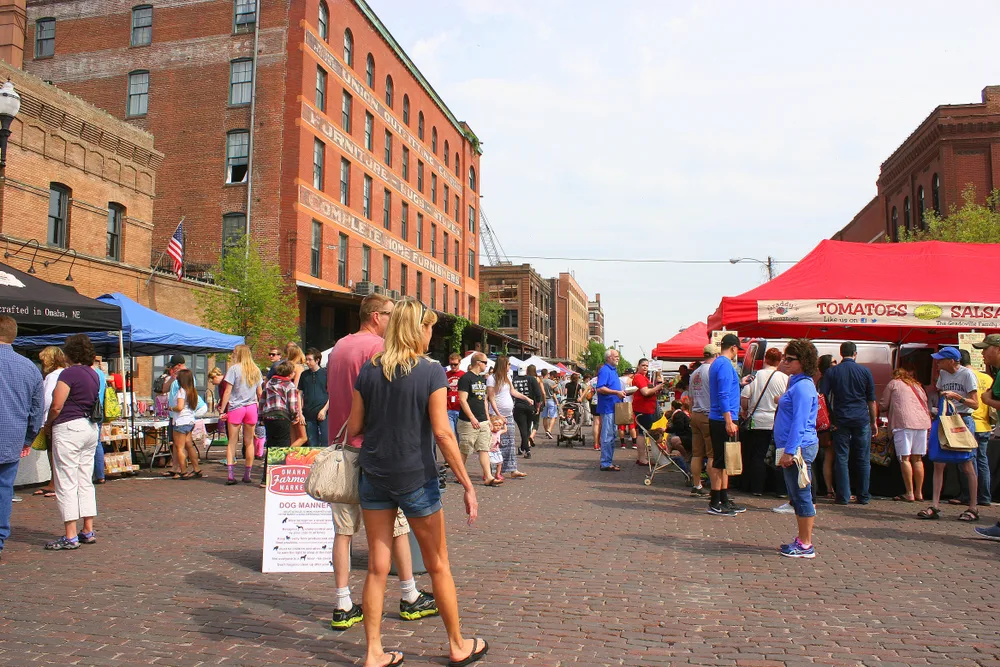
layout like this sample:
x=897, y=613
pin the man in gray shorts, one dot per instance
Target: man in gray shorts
x=473, y=424
x=701, y=439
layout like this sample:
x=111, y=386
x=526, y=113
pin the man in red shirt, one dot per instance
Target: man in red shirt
x=453, y=373
x=644, y=403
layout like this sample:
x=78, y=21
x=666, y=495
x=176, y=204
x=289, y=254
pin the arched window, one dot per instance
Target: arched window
x=406, y=109
x=472, y=178
x=446, y=152
x=388, y=91
x=920, y=207
x=323, y=21
x=906, y=214
x=434, y=140
x=349, y=48
x=894, y=225
x=370, y=71
x=456, y=165
x=936, y=193
x=420, y=124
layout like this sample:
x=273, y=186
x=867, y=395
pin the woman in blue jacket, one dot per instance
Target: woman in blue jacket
x=795, y=432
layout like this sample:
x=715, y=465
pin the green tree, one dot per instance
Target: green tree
x=252, y=301
x=490, y=311
x=593, y=356
x=623, y=365
x=971, y=223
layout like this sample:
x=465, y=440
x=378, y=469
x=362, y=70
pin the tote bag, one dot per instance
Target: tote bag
x=335, y=473
x=935, y=452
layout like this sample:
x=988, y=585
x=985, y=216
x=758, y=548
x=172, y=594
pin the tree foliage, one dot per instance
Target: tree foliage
x=490, y=311
x=252, y=301
x=592, y=356
x=623, y=365
x=971, y=223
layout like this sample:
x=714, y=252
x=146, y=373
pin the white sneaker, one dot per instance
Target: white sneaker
x=784, y=509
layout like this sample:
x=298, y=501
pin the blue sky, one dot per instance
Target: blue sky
x=686, y=130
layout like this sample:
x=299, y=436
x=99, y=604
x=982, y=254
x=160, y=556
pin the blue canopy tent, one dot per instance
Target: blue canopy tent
x=145, y=332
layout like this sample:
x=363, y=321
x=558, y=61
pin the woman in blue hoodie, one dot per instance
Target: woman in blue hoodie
x=794, y=432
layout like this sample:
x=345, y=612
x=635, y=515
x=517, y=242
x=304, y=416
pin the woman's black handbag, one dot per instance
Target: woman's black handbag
x=97, y=413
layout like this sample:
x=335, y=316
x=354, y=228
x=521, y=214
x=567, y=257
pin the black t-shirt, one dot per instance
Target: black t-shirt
x=528, y=386
x=312, y=384
x=476, y=386
x=573, y=392
x=680, y=424
x=397, y=454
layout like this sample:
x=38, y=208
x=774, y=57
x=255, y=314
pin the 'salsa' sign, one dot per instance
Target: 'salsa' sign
x=866, y=312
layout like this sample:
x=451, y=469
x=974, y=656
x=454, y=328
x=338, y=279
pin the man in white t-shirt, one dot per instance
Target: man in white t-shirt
x=627, y=429
x=758, y=403
x=959, y=386
x=701, y=405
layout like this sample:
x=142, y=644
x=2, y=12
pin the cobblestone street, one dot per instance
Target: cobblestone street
x=570, y=566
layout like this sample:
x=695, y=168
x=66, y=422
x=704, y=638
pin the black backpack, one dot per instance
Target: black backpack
x=160, y=382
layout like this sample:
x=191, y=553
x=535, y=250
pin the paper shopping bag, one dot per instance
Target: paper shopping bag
x=734, y=458
x=623, y=414
x=953, y=433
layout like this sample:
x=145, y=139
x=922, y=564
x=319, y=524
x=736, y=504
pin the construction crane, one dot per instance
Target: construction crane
x=490, y=244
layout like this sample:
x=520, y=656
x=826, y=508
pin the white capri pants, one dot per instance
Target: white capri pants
x=910, y=441
x=73, y=446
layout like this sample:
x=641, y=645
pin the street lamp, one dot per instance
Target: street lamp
x=769, y=264
x=10, y=104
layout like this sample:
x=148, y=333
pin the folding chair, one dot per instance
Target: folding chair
x=664, y=461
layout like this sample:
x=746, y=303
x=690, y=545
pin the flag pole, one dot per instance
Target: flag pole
x=160, y=258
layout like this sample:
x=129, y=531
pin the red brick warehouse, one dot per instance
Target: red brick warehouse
x=306, y=125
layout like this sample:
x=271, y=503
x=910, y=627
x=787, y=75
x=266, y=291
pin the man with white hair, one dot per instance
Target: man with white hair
x=609, y=392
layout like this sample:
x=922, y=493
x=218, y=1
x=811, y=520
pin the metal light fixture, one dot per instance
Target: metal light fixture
x=10, y=104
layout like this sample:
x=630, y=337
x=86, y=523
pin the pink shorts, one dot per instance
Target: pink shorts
x=245, y=415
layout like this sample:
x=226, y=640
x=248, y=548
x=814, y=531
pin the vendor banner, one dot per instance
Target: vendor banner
x=867, y=312
x=298, y=530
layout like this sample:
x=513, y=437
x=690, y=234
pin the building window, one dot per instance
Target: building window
x=936, y=193
x=920, y=207
x=406, y=163
x=45, y=38
x=349, y=47
x=320, y=88
x=456, y=165
x=456, y=301
x=116, y=214
x=388, y=91
x=237, y=156
x=366, y=204
x=385, y=272
x=366, y=262
x=240, y=81
x=370, y=71
x=406, y=109
x=387, y=209
x=457, y=259
x=142, y=25
x=457, y=214
x=234, y=227
x=445, y=196
x=472, y=178
x=434, y=140
x=404, y=222
x=446, y=152
x=433, y=294
x=345, y=182
x=388, y=148
x=342, y=260
x=246, y=12
x=420, y=176
x=323, y=21
x=894, y=225
x=434, y=234
x=472, y=263
x=434, y=188
x=369, y=130
x=319, y=154
x=420, y=231
x=420, y=125
x=472, y=220
x=420, y=286
x=404, y=271
x=906, y=213
x=509, y=319
x=444, y=246
x=138, y=93
x=346, y=102
x=444, y=298
x=315, y=248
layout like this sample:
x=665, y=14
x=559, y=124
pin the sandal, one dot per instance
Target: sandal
x=196, y=474
x=642, y=463
x=969, y=515
x=168, y=473
x=493, y=482
x=49, y=494
x=929, y=513
x=189, y=475
x=517, y=474
x=610, y=468
x=904, y=499
x=475, y=656
x=396, y=658
x=63, y=544
x=956, y=501
x=39, y=492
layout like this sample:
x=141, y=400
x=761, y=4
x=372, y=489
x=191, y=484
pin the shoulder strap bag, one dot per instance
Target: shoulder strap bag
x=749, y=420
x=334, y=475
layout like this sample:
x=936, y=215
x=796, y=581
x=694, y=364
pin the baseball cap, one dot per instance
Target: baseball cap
x=993, y=340
x=711, y=350
x=730, y=340
x=947, y=353
x=629, y=371
x=175, y=361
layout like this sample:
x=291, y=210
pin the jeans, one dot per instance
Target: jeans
x=99, y=461
x=983, y=472
x=608, y=432
x=8, y=471
x=453, y=418
x=317, y=433
x=523, y=417
x=801, y=499
x=852, y=444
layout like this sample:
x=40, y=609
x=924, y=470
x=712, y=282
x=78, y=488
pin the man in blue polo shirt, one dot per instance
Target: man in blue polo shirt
x=849, y=389
x=723, y=426
x=609, y=392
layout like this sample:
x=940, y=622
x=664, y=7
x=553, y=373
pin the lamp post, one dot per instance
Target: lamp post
x=769, y=264
x=10, y=104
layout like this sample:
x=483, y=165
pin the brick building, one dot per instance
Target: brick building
x=525, y=296
x=568, y=317
x=957, y=145
x=595, y=319
x=307, y=127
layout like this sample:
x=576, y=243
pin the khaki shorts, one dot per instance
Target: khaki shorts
x=347, y=520
x=701, y=439
x=472, y=439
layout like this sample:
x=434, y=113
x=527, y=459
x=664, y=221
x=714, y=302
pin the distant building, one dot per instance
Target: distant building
x=595, y=319
x=525, y=296
x=568, y=318
x=957, y=145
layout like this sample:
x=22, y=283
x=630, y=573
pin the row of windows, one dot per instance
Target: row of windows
x=57, y=234
x=244, y=16
x=918, y=224
x=240, y=87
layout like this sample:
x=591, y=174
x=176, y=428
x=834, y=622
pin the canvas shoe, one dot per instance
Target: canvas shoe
x=719, y=509
x=797, y=550
x=991, y=533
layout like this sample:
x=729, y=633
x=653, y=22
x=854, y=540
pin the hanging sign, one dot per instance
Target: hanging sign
x=867, y=312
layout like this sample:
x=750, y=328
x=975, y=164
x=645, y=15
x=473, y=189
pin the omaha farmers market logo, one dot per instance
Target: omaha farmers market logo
x=288, y=480
x=8, y=280
x=781, y=311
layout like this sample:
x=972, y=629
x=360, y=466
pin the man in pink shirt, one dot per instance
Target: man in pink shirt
x=343, y=366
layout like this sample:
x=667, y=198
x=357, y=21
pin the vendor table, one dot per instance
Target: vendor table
x=158, y=428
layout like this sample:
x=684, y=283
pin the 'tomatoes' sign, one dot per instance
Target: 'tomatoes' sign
x=867, y=312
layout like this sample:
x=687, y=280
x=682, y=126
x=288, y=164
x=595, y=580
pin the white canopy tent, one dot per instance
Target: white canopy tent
x=539, y=364
x=464, y=364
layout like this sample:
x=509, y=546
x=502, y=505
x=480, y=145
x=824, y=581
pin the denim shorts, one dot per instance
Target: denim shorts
x=421, y=502
x=183, y=428
x=551, y=410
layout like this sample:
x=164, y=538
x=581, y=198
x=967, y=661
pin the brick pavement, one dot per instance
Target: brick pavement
x=570, y=566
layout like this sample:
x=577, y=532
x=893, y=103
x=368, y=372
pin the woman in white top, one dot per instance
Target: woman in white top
x=183, y=412
x=53, y=362
x=500, y=395
x=758, y=403
x=239, y=403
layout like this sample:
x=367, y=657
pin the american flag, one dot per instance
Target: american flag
x=175, y=249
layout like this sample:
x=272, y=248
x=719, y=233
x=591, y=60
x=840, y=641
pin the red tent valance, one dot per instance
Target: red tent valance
x=688, y=345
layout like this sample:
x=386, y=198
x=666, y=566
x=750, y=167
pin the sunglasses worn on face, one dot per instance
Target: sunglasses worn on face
x=274, y=354
x=791, y=357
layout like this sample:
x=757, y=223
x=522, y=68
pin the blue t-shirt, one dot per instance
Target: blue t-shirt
x=849, y=387
x=724, y=389
x=608, y=377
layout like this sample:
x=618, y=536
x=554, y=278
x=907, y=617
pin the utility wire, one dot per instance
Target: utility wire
x=640, y=261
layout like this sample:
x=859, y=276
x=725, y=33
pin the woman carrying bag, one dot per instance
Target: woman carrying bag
x=909, y=419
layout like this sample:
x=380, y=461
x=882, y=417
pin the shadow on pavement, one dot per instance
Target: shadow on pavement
x=702, y=545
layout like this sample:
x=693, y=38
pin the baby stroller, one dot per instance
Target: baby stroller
x=570, y=425
x=658, y=438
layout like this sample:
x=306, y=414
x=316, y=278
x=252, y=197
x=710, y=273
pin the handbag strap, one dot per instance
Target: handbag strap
x=921, y=399
x=761, y=397
x=340, y=441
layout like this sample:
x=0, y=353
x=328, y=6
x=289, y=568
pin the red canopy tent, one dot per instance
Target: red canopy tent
x=688, y=345
x=923, y=292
